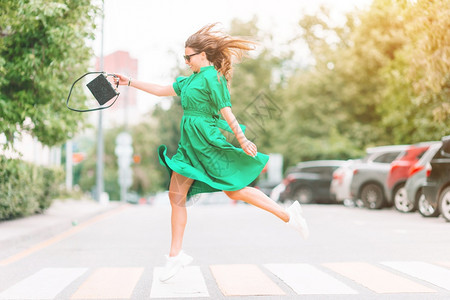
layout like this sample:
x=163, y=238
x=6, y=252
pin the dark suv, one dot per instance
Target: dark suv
x=308, y=182
x=437, y=186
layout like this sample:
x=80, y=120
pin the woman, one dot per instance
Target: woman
x=205, y=161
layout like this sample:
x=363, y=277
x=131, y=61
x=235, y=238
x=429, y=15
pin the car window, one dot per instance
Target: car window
x=323, y=171
x=326, y=171
x=311, y=170
x=329, y=170
x=386, y=158
x=403, y=154
x=421, y=154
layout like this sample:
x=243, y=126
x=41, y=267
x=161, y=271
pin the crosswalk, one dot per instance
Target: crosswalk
x=280, y=280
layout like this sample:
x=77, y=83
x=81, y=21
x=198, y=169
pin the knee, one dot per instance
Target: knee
x=176, y=198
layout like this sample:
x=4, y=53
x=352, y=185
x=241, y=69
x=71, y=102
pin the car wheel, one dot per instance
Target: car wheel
x=372, y=196
x=444, y=204
x=303, y=195
x=401, y=202
x=425, y=208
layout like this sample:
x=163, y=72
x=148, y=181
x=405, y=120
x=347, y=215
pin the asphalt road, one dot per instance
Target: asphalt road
x=240, y=252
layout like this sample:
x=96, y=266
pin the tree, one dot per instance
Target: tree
x=417, y=90
x=254, y=87
x=42, y=50
x=380, y=78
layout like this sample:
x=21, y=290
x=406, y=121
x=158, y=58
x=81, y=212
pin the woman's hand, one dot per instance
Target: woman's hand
x=249, y=148
x=246, y=145
x=123, y=80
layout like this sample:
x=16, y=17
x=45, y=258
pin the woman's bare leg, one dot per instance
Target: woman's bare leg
x=259, y=199
x=179, y=186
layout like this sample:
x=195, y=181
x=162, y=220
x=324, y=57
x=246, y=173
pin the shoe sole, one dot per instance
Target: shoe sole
x=164, y=279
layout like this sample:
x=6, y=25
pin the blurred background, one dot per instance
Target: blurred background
x=328, y=81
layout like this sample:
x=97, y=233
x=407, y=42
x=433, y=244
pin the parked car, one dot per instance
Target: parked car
x=398, y=174
x=340, y=184
x=307, y=182
x=370, y=175
x=437, y=186
x=417, y=179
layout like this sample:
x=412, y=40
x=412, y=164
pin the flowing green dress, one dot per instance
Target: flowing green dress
x=203, y=152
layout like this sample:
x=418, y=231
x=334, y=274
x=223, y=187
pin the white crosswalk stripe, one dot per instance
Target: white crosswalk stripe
x=305, y=279
x=436, y=275
x=340, y=278
x=45, y=284
x=377, y=279
x=189, y=283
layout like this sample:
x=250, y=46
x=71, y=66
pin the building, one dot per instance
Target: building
x=125, y=111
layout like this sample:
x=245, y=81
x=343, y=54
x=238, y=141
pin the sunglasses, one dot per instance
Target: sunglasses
x=188, y=57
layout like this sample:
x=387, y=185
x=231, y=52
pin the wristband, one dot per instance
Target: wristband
x=129, y=81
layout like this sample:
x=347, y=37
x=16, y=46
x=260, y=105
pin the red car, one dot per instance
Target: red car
x=399, y=173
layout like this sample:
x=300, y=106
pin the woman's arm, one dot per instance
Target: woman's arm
x=246, y=145
x=154, y=89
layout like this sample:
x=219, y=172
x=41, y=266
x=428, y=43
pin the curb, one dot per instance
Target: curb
x=61, y=216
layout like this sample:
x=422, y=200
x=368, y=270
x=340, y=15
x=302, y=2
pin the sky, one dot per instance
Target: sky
x=154, y=31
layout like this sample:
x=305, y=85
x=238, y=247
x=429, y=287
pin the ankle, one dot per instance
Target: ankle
x=285, y=217
x=174, y=252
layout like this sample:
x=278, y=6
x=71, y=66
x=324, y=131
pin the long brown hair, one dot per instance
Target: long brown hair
x=220, y=48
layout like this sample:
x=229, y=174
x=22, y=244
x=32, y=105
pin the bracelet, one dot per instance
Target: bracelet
x=129, y=81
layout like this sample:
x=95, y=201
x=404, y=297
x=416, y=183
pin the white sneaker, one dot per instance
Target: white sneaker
x=296, y=219
x=174, y=265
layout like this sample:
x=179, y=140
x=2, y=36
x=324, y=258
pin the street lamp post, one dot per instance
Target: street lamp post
x=100, y=144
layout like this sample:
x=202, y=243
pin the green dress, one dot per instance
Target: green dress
x=203, y=152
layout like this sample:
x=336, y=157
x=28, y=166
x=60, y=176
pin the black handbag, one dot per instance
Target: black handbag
x=102, y=90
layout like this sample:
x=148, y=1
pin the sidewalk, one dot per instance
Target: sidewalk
x=62, y=215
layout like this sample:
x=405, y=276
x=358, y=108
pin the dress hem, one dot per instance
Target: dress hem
x=209, y=188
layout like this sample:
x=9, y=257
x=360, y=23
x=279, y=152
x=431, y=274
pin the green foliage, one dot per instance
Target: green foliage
x=289, y=114
x=25, y=188
x=42, y=50
x=416, y=96
x=380, y=78
x=256, y=79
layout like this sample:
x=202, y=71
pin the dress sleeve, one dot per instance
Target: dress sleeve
x=220, y=96
x=179, y=84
